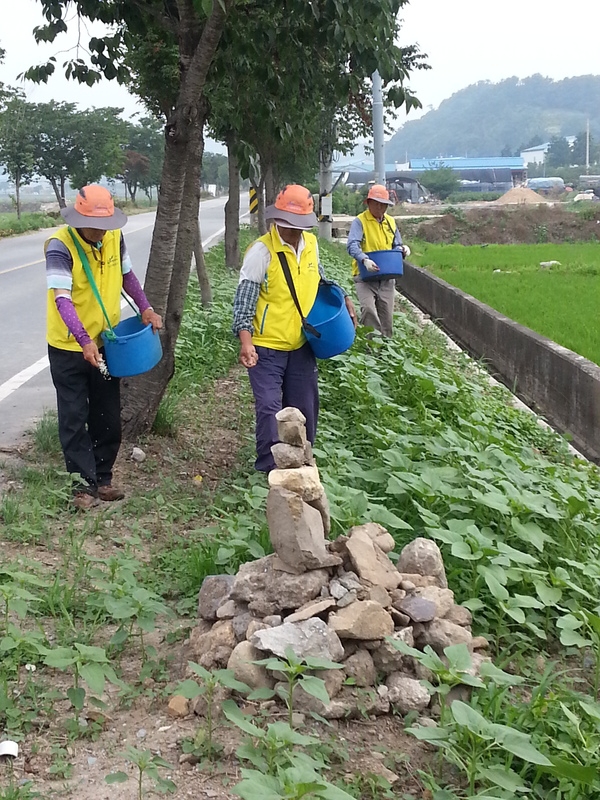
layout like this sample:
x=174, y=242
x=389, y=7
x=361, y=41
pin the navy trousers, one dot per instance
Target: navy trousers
x=89, y=417
x=282, y=378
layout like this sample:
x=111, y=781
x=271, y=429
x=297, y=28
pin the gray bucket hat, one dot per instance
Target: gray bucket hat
x=94, y=207
x=293, y=208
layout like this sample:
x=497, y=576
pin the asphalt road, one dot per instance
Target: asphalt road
x=25, y=386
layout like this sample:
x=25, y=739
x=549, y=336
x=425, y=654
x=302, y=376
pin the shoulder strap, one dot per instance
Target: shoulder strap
x=88, y=272
x=288, y=279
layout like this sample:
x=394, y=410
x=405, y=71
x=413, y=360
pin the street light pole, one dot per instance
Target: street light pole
x=378, y=144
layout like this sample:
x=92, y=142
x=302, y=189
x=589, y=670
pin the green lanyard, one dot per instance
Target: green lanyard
x=88, y=271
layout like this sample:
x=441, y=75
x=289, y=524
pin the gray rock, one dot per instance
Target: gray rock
x=336, y=589
x=400, y=620
x=350, y=581
x=309, y=458
x=213, y=649
x=386, y=658
x=370, y=562
x=347, y=599
x=241, y=664
x=291, y=426
x=418, y=608
x=268, y=591
x=253, y=626
x=215, y=591
x=423, y=557
x=309, y=638
x=459, y=615
x=321, y=504
x=379, y=595
x=228, y=610
x=303, y=481
x=296, y=530
x=273, y=620
x=442, y=633
x=443, y=599
x=361, y=667
x=406, y=694
x=364, y=619
x=287, y=456
x=138, y=455
x=378, y=534
x=240, y=625
x=311, y=610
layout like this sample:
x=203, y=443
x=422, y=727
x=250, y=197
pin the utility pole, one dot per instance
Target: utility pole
x=587, y=148
x=325, y=182
x=378, y=144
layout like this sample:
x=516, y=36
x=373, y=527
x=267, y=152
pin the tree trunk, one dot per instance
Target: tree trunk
x=232, y=209
x=270, y=181
x=203, y=279
x=61, y=200
x=54, y=185
x=18, y=194
x=171, y=250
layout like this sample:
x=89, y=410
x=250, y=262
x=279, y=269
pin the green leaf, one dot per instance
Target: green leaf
x=233, y=714
x=315, y=687
x=518, y=744
x=496, y=588
x=549, y=595
x=77, y=697
x=189, y=689
x=116, y=777
x=531, y=533
x=505, y=778
x=575, y=772
x=498, y=676
x=471, y=719
x=97, y=654
x=93, y=675
x=459, y=657
x=227, y=678
x=571, y=638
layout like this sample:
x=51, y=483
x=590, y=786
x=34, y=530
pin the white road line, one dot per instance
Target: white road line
x=14, y=383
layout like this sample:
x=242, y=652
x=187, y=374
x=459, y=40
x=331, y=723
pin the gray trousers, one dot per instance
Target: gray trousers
x=376, y=300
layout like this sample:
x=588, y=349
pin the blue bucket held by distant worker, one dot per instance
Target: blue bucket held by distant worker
x=328, y=327
x=390, y=265
x=130, y=347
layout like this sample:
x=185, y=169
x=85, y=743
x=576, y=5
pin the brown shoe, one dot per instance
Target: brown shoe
x=110, y=493
x=84, y=501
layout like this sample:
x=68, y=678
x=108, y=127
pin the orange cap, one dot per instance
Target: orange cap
x=380, y=194
x=293, y=208
x=94, y=208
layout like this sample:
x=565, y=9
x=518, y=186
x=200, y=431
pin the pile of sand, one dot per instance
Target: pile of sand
x=519, y=194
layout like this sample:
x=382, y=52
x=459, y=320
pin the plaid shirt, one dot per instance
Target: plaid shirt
x=246, y=298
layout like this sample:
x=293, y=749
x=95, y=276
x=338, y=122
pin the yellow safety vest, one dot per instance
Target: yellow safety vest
x=277, y=322
x=105, y=264
x=376, y=235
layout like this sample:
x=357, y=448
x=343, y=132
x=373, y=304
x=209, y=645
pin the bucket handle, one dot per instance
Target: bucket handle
x=306, y=326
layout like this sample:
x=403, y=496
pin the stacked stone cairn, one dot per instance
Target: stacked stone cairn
x=340, y=600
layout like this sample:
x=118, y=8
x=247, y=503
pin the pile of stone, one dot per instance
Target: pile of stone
x=342, y=600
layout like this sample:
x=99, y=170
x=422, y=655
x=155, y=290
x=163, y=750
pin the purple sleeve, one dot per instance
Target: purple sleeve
x=133, y=288
x=69, y=316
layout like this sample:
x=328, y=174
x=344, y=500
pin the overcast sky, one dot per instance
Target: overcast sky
x=465, y=40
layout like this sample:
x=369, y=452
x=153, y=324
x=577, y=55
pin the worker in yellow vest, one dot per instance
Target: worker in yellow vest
x=89, y=405
x=281, y=365
x=375, y=230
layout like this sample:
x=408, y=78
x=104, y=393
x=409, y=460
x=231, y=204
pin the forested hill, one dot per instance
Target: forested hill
x=492, y=119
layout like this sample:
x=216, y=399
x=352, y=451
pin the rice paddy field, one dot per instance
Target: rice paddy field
x=559, y=300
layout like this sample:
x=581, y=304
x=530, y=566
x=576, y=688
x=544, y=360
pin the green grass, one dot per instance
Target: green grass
x=9, y=224
x=560, y=302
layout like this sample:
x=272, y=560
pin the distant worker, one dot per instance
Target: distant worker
x=372, y=230
x=89, y=250
x=281, y=364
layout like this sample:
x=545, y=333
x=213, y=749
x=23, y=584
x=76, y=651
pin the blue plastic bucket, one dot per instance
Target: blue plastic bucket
x=389, y=263
x=330, y=317
x=135, y=350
